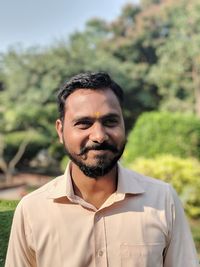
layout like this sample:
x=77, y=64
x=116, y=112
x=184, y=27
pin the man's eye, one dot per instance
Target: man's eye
x=83, y=124
x=110, y=122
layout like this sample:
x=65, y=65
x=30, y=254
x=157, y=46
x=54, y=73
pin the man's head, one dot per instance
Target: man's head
x=91, y=124
x=88, y=80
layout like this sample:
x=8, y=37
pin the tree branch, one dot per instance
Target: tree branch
x=18, y=155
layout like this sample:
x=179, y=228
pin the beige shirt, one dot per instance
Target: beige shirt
x=141, y=225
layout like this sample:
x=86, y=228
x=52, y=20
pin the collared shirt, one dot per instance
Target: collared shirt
x=142, y=224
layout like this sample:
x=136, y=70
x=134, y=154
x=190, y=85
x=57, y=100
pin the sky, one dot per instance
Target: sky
x=41, y=22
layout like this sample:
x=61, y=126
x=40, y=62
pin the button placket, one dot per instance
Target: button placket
x=100, y=240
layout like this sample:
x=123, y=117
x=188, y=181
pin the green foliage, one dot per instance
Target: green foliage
x=63, y=163
x=15, y=138
x=183, y=174
x=7, y=205
x=6, y=215
x=195, y=226
x=178, y=67
x=157, y=133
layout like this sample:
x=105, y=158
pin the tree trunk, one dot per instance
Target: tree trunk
x=8, y=168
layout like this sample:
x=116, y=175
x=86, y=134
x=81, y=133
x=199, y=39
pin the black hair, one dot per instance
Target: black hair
x=88, y=80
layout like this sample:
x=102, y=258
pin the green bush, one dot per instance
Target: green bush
x=182, y=174
x=164, y=133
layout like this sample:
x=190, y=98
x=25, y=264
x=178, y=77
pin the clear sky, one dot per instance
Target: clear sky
x=40, y=22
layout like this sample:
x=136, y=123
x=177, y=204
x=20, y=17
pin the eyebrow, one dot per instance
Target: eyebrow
x=107, y=116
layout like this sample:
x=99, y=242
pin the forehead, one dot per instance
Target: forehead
x=87, y=102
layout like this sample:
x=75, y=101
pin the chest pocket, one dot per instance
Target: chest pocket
x=142, y=255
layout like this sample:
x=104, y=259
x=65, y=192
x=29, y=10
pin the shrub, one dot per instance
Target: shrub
x=182, y=174
x=164, y=133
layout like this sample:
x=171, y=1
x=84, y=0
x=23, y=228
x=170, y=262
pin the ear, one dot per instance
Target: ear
x=59, y=129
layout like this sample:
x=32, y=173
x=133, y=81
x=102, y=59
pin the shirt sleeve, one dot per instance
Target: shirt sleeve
x=20, y=253
x=181, y=250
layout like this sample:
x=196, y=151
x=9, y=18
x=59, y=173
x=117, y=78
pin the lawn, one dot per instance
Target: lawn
x=6, y=214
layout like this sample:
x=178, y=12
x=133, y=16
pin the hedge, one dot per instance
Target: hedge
x=163, y=132
x=182, y=174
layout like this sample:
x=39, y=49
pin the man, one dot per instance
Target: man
x=98, y=213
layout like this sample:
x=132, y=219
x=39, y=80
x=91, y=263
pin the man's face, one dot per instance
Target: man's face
x=93, y=130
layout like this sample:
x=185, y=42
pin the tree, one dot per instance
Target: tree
x=8, y=167
x=149, y=3
x=178, y=69
x=135, y=36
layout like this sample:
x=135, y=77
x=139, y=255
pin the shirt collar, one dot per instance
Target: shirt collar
x=62, y=186
x=128, y=183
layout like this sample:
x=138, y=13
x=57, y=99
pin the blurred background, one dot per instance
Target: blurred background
x=150, y=47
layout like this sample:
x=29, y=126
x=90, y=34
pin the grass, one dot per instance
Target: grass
x=6, y=215
x=7, y=208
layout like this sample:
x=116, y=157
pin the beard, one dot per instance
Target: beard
x=103, y=165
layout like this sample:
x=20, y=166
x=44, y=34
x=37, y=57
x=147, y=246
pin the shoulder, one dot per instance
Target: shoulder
x=156, y=195
x=143, y=180
x=41, y=193
x=149, y=188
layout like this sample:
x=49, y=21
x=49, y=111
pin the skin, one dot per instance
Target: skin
x=97, y=114
x=92, y=117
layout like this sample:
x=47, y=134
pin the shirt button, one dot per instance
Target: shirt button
x=100, y=253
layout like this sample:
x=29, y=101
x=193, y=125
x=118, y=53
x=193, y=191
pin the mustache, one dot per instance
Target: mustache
x=103, y=146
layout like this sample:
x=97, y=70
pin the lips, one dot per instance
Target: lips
x=99, y=150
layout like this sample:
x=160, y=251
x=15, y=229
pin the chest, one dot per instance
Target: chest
x=121, y=235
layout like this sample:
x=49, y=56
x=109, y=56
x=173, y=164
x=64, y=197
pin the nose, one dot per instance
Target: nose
x=98, y=133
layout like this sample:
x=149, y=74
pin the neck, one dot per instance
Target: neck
x=94, y=191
